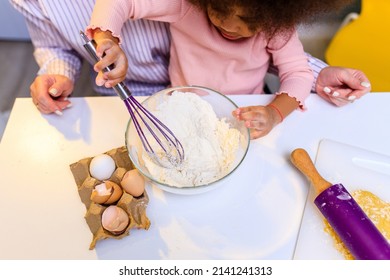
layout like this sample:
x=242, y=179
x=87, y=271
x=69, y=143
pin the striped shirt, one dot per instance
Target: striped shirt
x=54, y=27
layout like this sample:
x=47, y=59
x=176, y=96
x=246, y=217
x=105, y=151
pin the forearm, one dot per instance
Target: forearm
x=295, y=74
x=110, y=16
x=315, y=64
x=57, y=62
x=52, y=53
x=283, y=105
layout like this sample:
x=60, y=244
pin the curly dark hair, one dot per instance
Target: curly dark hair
x=273, y=16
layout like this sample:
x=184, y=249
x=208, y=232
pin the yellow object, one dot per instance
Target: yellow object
x=364, y=44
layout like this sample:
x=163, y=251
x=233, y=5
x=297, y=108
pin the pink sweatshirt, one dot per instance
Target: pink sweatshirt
x=201, y=56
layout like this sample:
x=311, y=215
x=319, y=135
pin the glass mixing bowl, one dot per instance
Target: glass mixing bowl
x=222, y=107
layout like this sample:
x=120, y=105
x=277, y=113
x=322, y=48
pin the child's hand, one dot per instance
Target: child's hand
x=108, y=49
x=259, y=119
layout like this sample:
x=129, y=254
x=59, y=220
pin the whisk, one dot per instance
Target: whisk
x=158, y=135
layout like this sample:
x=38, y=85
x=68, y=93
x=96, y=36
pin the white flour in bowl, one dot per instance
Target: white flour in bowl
x=210, y=145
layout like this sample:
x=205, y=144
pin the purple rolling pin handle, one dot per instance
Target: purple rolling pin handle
x=355, y=229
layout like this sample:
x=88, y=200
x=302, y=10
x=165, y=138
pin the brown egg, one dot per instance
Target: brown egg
x=106, y=193
x=133, y=183
x=115, y=219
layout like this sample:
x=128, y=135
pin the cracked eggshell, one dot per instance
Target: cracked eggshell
x=115, y=219
x=133, y=183
x=106, y=193
x=102, y=166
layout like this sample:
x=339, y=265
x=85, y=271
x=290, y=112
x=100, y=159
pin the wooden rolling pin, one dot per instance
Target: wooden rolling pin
x=355, y=229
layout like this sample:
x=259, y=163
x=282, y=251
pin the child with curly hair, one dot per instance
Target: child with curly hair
x=226, y=45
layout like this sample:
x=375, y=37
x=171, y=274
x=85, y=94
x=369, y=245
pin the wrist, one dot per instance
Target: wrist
x=99, y=35
x=284, y=105
x=276, y=113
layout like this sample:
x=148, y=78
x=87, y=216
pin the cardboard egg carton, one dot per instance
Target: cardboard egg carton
x=135, y=207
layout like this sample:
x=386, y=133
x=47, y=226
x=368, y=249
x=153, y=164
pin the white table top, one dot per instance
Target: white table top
x=256, y=215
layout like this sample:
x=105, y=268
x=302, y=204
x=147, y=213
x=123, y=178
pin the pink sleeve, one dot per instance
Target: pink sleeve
x=109, y=15
x=296, y=76
x=112, y=14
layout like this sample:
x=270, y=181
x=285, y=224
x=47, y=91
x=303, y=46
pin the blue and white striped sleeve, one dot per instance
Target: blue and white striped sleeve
x=52, y=53
x=316, y=65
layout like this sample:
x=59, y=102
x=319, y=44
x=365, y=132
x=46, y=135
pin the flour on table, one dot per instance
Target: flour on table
x=210, y=145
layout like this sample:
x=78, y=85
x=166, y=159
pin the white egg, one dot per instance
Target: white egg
x=102, y=166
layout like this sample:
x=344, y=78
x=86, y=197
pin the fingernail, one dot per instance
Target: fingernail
x=53, y=91
x=100, y=82
x=69, y=105
x=365, y=84
x=66, y=98
x=335, y=94
x=352, y=97
x=327, y=90
x=58, y=112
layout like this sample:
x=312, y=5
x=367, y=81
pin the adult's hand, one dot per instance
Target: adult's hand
x=50, y=93
x=342, y=86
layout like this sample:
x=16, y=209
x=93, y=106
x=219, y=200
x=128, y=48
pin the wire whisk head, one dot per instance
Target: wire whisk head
x=158, y=141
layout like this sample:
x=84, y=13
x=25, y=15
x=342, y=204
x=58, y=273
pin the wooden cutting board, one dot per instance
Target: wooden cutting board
x=356, y=169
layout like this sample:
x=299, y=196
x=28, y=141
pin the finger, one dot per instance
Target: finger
x=339, y=101
x=50, y=93
x=336, y=98
x=45, y=110
x=100, y=80
x=41, y=108
x=255, y=134
x=246, y=109
x=358, y=83
x=41, y=97
x=101, y=65
x=236, y=113
x=341, y=93
x=112, y=83
x=110, y=54
x=344, y=95
x=55, y=106
x=118, y=72
x=256, y=124
x=251, y=112
x=349, y=94
x=357, y=93
x=60, y=89
x=103, y=46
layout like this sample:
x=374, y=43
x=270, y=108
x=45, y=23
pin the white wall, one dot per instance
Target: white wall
x=13, y=26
